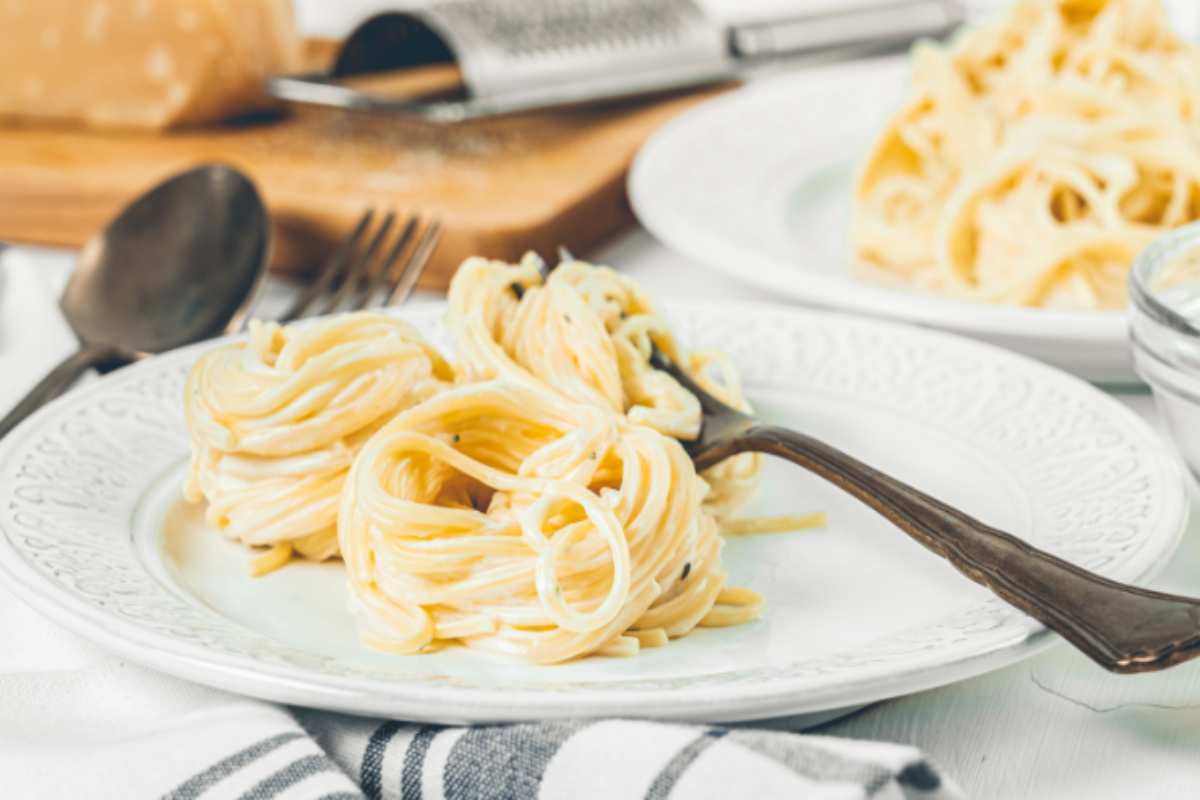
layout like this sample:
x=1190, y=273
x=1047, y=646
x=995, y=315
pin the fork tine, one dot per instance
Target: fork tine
x=411, y=272
x=381, y=276
x=354, y=274
x=329, y=271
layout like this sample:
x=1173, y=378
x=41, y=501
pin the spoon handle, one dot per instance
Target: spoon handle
x=59, y=380
x=1122, y=628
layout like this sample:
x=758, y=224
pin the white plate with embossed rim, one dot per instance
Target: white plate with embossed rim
x=94, y=534
x=757, y=184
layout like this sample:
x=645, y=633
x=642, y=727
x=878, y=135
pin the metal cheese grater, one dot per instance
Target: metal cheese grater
x=462, y=59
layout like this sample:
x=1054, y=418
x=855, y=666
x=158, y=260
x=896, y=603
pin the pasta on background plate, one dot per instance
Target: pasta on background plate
x=1036, y=156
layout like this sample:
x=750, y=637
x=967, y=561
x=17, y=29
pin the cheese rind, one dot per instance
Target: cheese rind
x=141, y=63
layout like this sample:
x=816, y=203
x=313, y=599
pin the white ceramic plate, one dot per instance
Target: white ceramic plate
x=757, y=184
x=93, y=532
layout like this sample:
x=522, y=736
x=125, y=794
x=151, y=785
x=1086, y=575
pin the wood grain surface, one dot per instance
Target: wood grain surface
x=500, y=186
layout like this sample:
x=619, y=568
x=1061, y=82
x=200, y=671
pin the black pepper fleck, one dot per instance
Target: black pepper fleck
x=687, y=568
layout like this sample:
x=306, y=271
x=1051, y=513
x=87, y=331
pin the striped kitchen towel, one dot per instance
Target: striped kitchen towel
x=338, y=757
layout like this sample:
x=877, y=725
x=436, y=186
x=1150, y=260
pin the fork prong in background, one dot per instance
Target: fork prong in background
x=410, y=273
x=353, y=275
x=330, y=271
x=381, y=277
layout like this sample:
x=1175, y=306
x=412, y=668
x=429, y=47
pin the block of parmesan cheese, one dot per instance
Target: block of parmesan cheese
x=141, y=63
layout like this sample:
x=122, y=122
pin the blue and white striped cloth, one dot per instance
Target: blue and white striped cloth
x=321, y=755
x=617, y=759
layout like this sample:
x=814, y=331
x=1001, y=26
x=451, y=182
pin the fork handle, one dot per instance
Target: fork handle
x=60, y=379
x=1122, y=628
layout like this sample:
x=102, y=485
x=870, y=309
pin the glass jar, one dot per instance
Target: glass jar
x=1164, y=293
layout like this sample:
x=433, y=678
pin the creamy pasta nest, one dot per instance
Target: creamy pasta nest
x=532, y=498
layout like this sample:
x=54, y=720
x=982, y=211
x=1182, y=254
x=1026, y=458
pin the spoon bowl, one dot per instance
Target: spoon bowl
x=176, y=266
x=179, y=265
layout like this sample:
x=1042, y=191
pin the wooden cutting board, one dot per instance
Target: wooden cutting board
x=500, y=186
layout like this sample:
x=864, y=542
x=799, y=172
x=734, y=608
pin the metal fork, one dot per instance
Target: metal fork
x=1122, y=628
x=364, y=271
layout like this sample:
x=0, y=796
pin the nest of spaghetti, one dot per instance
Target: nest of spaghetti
x=507, y=519
x=531, y=498
x=277, y=419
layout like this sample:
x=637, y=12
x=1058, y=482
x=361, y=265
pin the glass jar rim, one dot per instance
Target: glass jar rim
x=1147, y=263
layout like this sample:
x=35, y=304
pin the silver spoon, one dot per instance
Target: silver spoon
x=179, y=265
